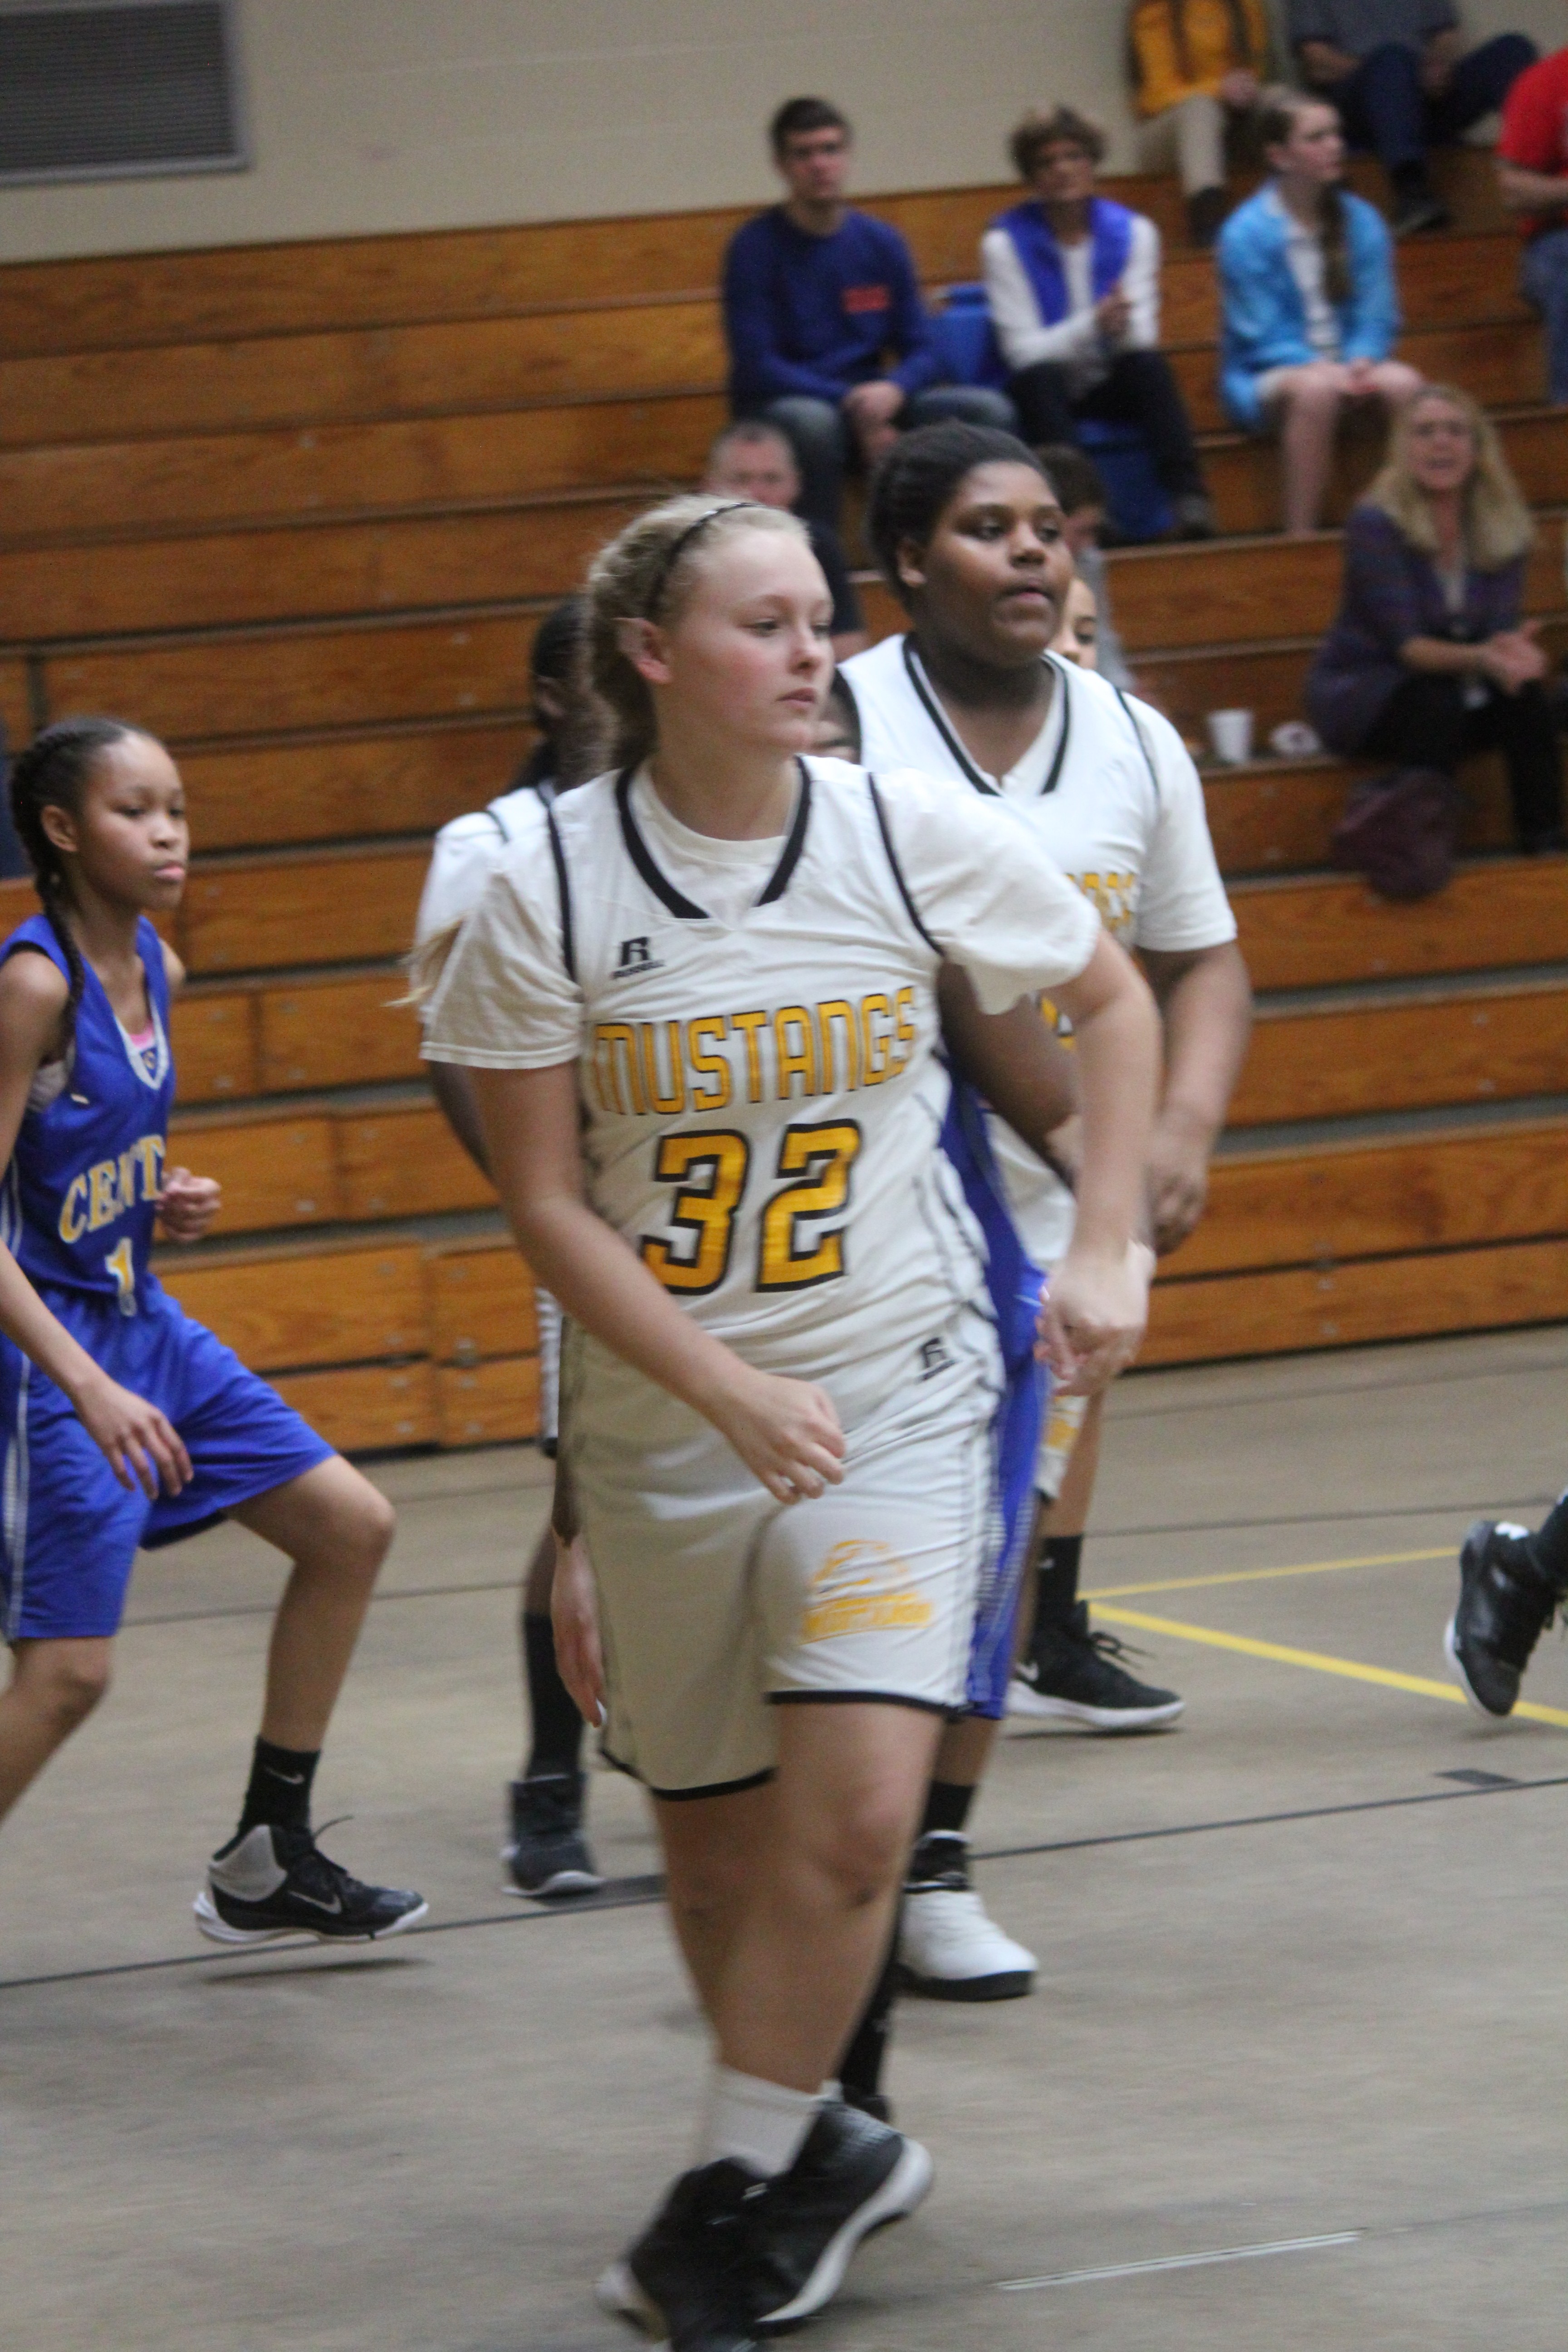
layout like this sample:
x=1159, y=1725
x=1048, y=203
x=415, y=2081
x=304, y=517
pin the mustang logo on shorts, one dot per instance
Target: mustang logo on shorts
x=862, y=1587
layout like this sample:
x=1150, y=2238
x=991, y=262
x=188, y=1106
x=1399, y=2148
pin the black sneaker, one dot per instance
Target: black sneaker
x=853, y=2175
x=875, y=2104
x=273, y=1881
x=547, y=1855
x=1418, y=211
x=1505, y=1604
x=1072, y=1675
x=1191, y=516
x=689, y=2282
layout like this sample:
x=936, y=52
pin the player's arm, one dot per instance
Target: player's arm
x=1206, y=998
x=453, y=1087
x=141, y=1446
x=186, y=1203
x=1099, y=1298
x=1014, y=1059
x=785, y=1431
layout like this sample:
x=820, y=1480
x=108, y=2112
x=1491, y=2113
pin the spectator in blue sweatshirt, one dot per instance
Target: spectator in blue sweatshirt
x=828, y=337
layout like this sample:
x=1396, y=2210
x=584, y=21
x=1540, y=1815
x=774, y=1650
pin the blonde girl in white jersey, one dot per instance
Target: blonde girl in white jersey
x=701, y=1026
x=968, y=533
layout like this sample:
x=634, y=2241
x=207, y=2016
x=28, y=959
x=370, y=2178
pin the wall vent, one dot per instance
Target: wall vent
x=117, y=89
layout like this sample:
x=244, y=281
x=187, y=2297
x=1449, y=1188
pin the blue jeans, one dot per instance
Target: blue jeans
x=1383, y=106
x=825, y=446
x=1543, y=281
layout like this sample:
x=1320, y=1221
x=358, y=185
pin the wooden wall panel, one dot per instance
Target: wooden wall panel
x=341, y=906
x=481, y=1303
x=215, y=1046
x=1354, y=1306
x=1406, y=1057
x=343, y=1033
x=282, y=1311
x=305, y=571
x=405, y=1163
x=367, y=1407
x=216, y=478
x=1310, y=933
x=274, y=1172
x=489, y=1404
x=1329, y=1202
x=411, y=781
x=276, y=681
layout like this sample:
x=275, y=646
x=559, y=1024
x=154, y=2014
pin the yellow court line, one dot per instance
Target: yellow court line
x=1263, y=1575
x=1351, y=1668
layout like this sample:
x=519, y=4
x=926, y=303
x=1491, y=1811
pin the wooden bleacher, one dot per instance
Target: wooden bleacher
x=298, y=508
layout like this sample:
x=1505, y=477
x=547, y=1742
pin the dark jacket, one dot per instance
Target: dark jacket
x=816, y=314
x=1391, y=594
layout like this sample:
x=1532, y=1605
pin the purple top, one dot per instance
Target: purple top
x=1392, y=593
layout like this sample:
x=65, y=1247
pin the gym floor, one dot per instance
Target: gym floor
x=1293, y=2076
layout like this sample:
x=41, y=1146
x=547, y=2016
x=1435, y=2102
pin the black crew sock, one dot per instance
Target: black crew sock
x=860, y=2068
x=557, y=1725
x=947, y=1808
x=1058, y=1565
x=1548, y=1546
x=279, y=1790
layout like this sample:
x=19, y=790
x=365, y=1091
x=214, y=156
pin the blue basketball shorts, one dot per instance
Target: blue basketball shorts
x=69, y=1532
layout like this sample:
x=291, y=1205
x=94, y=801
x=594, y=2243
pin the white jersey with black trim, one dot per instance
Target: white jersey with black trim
x=1109, y=790
x=465, y=853
x=754, y=1027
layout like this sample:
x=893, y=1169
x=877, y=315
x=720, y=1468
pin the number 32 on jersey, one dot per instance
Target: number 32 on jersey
x=709, y=1170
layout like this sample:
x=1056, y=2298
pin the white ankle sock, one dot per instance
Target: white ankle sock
x=755, y=2122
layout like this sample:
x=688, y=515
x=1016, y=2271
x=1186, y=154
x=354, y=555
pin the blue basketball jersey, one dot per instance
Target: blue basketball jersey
x=78, y=1204
x=1014, y=1284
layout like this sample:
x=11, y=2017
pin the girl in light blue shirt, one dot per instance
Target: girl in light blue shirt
x=1308, y=303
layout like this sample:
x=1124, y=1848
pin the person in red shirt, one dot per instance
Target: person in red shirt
x=1532, y=178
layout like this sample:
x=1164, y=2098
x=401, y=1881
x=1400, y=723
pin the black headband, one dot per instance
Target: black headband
x=682, y=540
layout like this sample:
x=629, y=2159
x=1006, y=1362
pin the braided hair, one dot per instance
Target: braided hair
x=912, y=487
x=52, y=772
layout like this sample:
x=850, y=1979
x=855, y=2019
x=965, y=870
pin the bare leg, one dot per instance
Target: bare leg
x=55, y=1686
x=711, y=1847
x=851, y=1784
x=336, y=1528
x=1310, y=398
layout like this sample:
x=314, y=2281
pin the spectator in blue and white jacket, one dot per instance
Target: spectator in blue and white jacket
x=828, y=337
x=1309, y=310
x=1072, y=283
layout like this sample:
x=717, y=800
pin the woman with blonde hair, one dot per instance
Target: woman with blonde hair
x=1429, y=660
x=700, y=1004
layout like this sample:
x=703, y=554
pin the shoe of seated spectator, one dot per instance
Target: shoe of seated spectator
x=1192, y=517
x=1418, y=211
x=1206, y=209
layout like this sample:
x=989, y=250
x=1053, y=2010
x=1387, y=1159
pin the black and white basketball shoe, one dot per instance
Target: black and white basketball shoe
x=271, y=1881
x=1505, y=1605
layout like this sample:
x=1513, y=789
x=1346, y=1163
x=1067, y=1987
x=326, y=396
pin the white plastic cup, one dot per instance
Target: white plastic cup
x=1230, y=732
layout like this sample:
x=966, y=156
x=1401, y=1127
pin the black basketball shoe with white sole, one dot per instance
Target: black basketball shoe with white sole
x=853, y=2176
x=1505, y=1605
x=689, y=2282
x=546, y=1854
x=271, y=1881
x=1073, y=1676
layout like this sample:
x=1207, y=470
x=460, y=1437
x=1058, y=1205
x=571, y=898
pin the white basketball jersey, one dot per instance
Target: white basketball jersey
x=1108, y=791
x=760, y=1091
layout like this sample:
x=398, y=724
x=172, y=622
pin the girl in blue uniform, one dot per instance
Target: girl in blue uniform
x=122, y=1423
